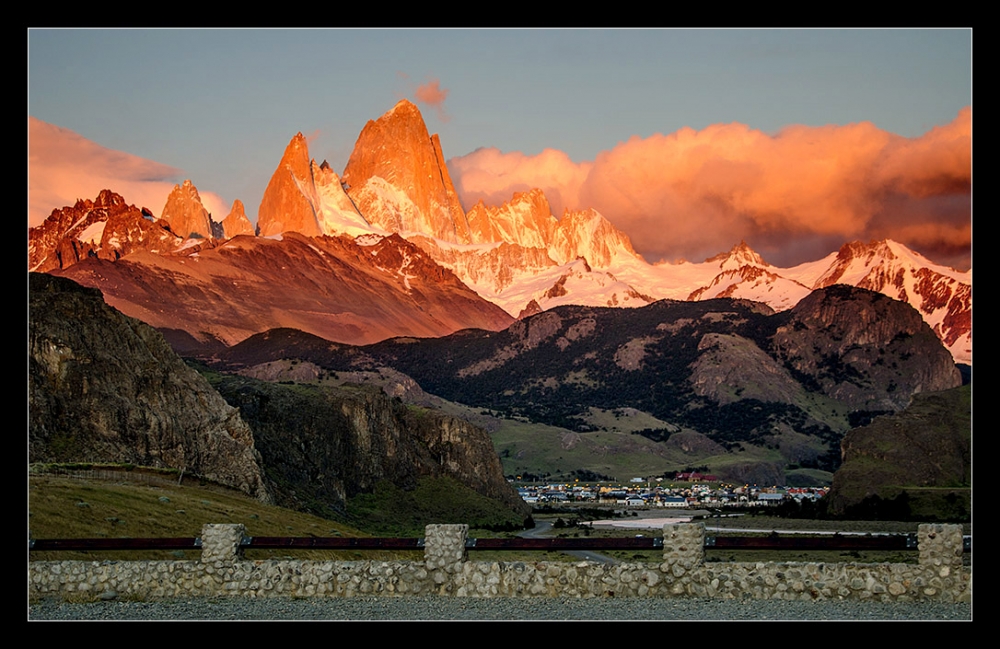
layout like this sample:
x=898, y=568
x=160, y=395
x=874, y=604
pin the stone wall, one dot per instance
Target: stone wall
x=222, y=571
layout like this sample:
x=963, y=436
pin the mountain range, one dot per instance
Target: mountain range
x=386, y=249
x=106, y=388
x=726, y=380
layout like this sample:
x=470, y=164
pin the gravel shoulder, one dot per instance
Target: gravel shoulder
x=455, y=608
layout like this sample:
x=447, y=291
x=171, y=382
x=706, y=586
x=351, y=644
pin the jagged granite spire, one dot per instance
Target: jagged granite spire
x=284, y=207
x=185, y=213
x=398, y=179
x=236, y=222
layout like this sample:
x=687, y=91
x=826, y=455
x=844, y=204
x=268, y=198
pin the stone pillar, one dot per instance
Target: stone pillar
x=221, y=543
x=683, y=545
x=940, y=547
x=444, y=554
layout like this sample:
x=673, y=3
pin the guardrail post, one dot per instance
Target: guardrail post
x=940, y=546
x=444, y=553
x=683, y=546
x=221, y=543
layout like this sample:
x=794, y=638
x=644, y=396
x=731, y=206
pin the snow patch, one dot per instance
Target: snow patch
x=368, y=239
x=93, y=233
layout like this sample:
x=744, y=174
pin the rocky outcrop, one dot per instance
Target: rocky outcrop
x=335, y=211
x=322, y=445
x=864, y=349
x=106, y=228
x=928, y=445
x=185, y=214
x=730, y=368
x=398, y=179
x=236, y=222
x=103, y=387
x=307, y=198
x=587, y=234
x=489, y=270
x=943, y=296
x=525, y=220
x=463, y=451
x=528, y=247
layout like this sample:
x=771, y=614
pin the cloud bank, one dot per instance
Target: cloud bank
x=794, y=196
x=64, y=166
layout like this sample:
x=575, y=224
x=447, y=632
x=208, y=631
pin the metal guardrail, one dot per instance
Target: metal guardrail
x=48, y=545
x=835, y=542
x=329, y=543
x=771, y=542
x=643, y=543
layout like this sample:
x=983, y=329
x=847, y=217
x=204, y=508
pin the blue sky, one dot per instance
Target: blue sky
x=220, y=105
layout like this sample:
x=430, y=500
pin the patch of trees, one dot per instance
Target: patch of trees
x=672, y=475
x=530, y=477
x=833, y=366
x=860, y=418
x=586, y=475
x=655, y=434
x=829, y=460
x=876, y=508
x=805, y=508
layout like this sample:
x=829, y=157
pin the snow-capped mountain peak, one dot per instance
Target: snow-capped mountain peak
x=517, y=255
x=740, y=255
x=942, y=295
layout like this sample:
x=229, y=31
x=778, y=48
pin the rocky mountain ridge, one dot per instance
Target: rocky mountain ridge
x=185, y=214
x=397, y=178
x=104, y=387
x=236, y=222
x=105, y=228
x=334, y=287
x=517, y=255
x=733, y=371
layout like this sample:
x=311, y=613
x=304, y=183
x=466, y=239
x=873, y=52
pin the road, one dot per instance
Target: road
x=542, y=529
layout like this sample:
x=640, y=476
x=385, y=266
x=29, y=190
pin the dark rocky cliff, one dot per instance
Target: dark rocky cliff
x=864, y=349
x=103, y=387
x=922, y=454
x=322, y=445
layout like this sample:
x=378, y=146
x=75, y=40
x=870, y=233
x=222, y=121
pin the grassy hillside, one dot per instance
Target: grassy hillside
x=139, y=504
x=618, y=450
x=915, y=464
x=391, y=511
x=61, y=506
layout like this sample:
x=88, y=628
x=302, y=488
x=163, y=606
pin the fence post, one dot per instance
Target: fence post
x=221, y=543
x=444, y=553
x=940, y=547
x=683, y=546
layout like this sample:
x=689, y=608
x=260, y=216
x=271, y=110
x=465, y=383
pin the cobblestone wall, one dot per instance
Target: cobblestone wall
x=446, y=570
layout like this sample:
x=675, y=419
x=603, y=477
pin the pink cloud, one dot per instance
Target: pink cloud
x=692, y=193
x=432, y=94
x=489, y=175
x=312, y=137
x=64, y=166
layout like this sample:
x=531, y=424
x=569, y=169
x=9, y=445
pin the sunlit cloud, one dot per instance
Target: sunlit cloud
x=433, y=95
x=692, y=194
x=312, y=137
x=492, y=176
x=64, y=166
